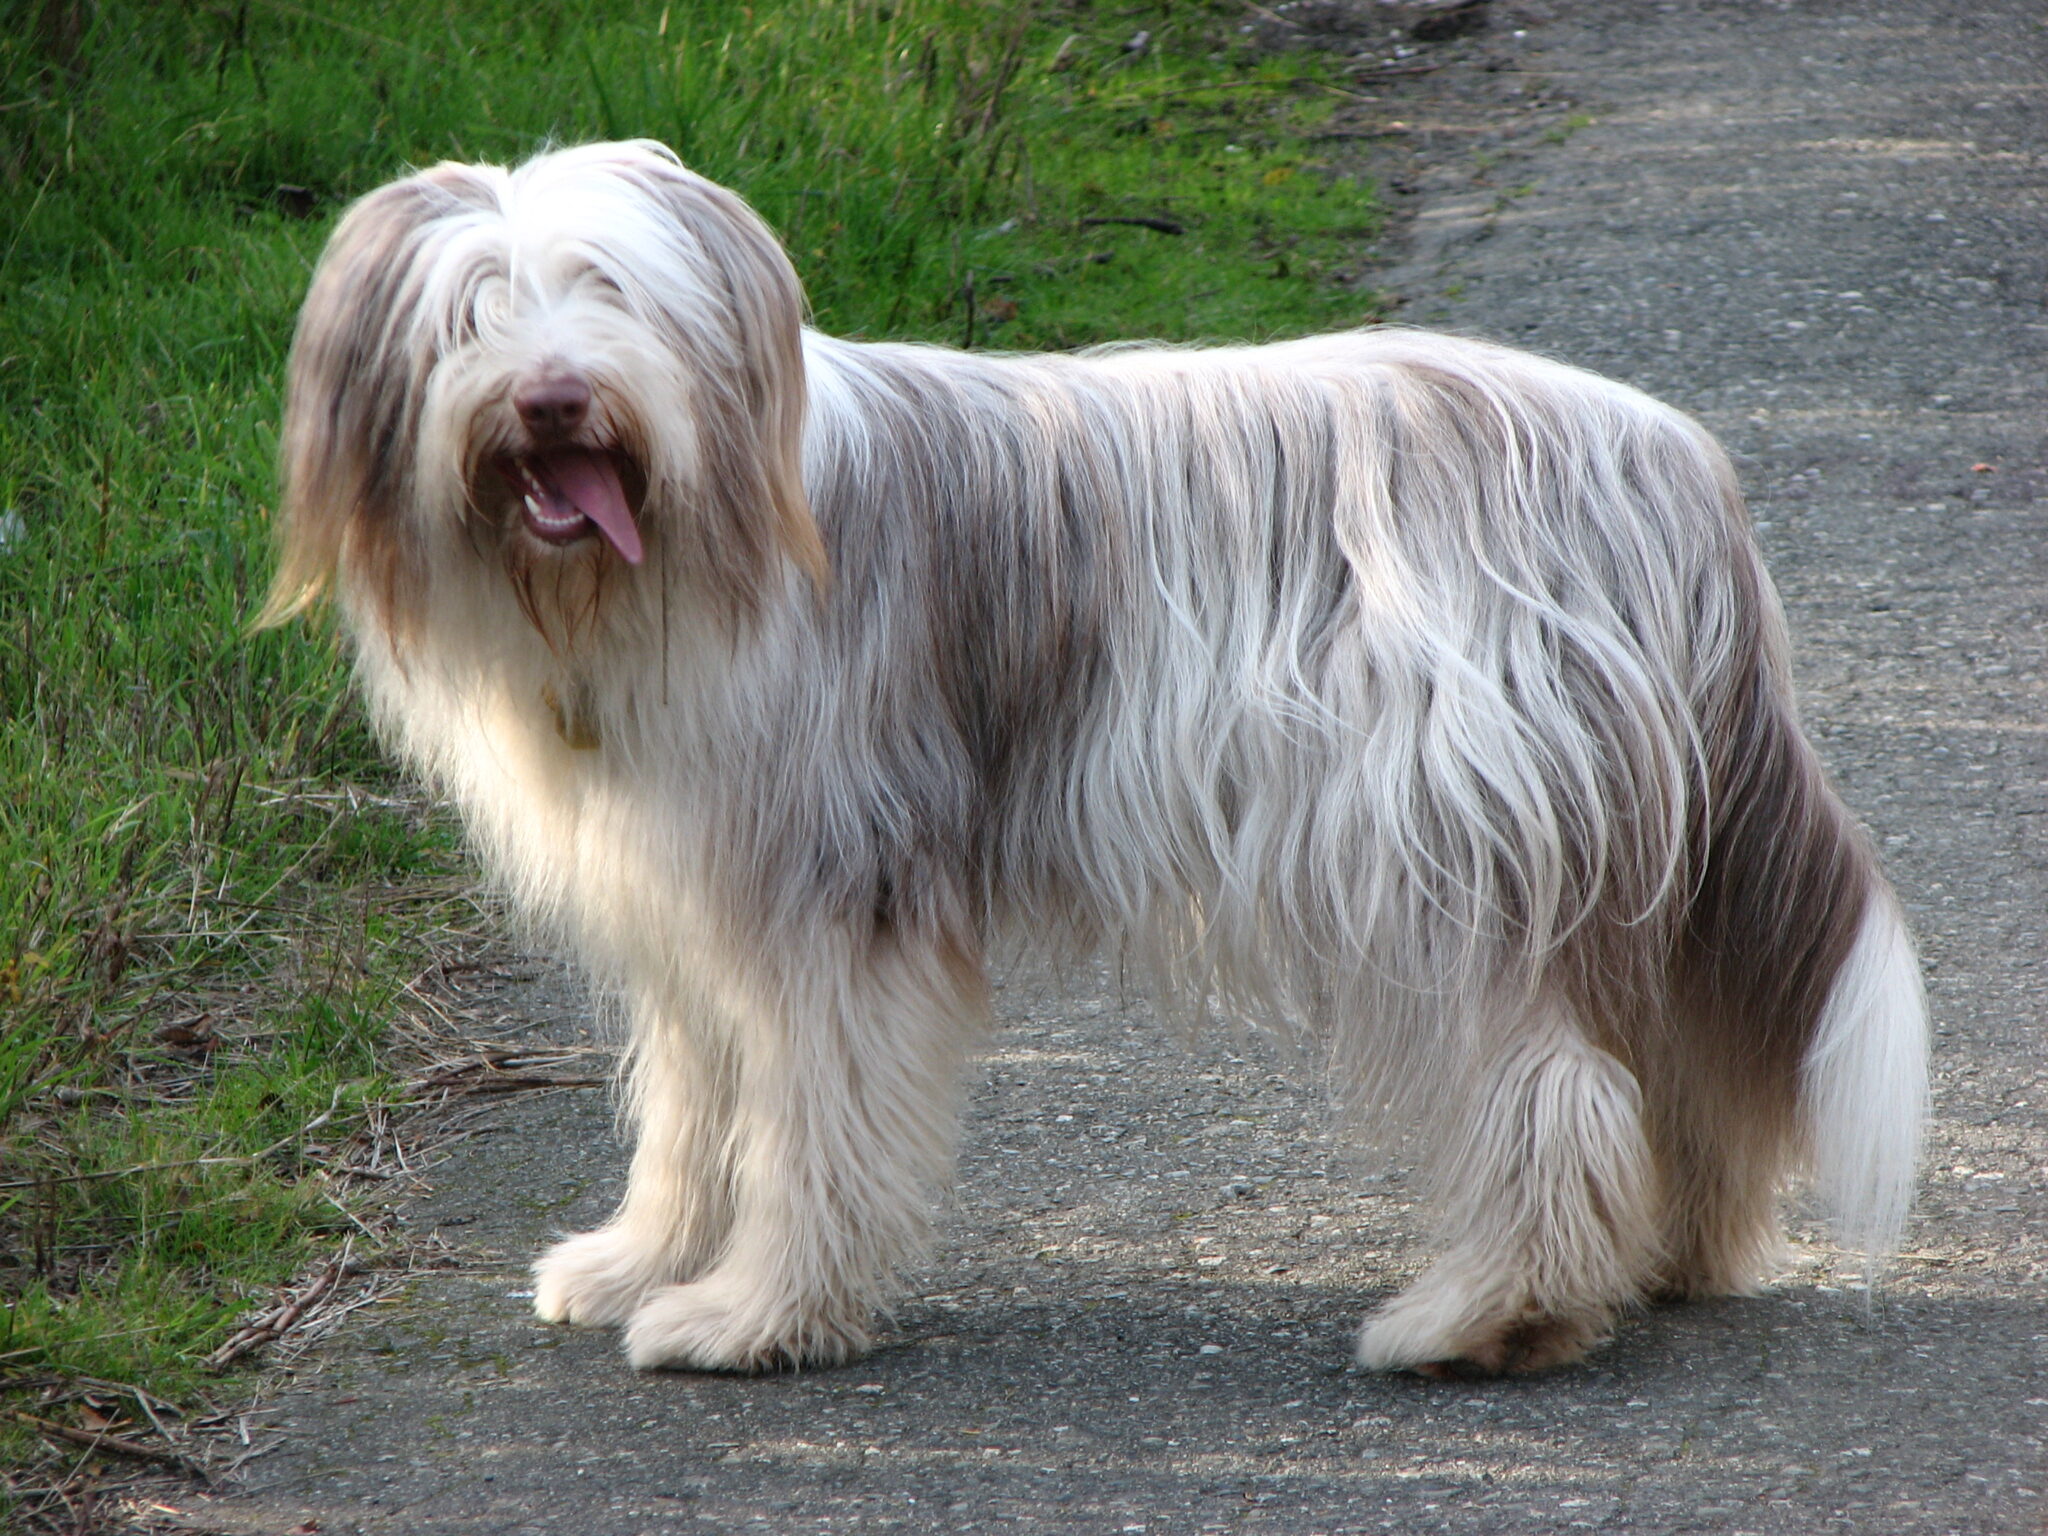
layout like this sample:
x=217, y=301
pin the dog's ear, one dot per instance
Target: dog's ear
x=760, y=457
x=354, y=391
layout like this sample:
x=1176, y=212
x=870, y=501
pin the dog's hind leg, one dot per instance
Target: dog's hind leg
x=845, y=1123
x=1551, y=1225
x=1723, y=1142
x=678, y=1202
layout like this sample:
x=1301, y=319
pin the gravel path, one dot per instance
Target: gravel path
x=1825, y=234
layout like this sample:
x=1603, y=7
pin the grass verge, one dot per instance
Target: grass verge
x=219, y=903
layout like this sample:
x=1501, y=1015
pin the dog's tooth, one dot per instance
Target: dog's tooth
x=533, y=505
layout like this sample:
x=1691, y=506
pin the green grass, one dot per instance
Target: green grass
x=214, y=888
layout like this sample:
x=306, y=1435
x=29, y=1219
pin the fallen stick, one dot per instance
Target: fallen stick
x=116, y=1445
x=1163, y=226
x=278, y=1321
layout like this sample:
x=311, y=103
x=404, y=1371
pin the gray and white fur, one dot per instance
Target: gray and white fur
x=1419, y=694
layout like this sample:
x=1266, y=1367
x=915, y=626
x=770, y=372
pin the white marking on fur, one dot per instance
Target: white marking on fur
x=1865, y=1086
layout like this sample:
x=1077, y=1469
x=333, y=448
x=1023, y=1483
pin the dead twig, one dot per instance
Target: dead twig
x=279, y=1320
x=1338, y=90
x=492, y=1072
x=31, y=1383
x=135, y=1168
x=240, y=1161
x=1141, y=98
x=1164, y=226
x=252, y=1453
x=1392, y=72
x=510, y=1082
x=113, y=1445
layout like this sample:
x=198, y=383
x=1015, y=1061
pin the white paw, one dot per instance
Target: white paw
x=721, y=1324
x=1449, y=1324
x=597, y=1279
x=1425, y=1323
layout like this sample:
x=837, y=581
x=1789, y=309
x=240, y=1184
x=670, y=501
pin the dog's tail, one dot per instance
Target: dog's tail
x=1863, y=1085
x=1807, y=959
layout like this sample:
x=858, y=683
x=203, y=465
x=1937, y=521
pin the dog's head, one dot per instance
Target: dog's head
x=575, y=370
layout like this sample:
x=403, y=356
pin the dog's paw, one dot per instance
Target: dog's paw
x=1445, y=1327
x=717, y=1325
x=596, y=1279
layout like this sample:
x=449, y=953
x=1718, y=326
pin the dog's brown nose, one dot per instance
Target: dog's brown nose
x=553, y=407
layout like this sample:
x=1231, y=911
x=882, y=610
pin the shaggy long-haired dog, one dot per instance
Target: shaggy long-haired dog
x=1425, y=695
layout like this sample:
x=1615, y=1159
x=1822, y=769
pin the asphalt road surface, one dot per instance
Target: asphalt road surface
x=1824, y=229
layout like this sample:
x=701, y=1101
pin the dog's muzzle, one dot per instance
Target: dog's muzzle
x=569, y=489
x=570, y=493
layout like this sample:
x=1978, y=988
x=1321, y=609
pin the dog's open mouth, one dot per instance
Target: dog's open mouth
x=572, y=493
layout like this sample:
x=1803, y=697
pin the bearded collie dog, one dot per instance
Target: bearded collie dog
x=1421, y=696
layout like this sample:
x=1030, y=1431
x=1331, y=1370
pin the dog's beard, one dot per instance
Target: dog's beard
x=560, y=590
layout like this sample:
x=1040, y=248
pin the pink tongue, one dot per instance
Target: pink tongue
x=590, y=482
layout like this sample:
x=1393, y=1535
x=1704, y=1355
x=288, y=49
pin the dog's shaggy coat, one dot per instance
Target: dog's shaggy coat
x=1421, y=694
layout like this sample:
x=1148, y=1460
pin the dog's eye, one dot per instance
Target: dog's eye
x=479, y=311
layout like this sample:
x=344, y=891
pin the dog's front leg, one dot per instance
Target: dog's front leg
x=847, y=1081
x=679, y=1192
